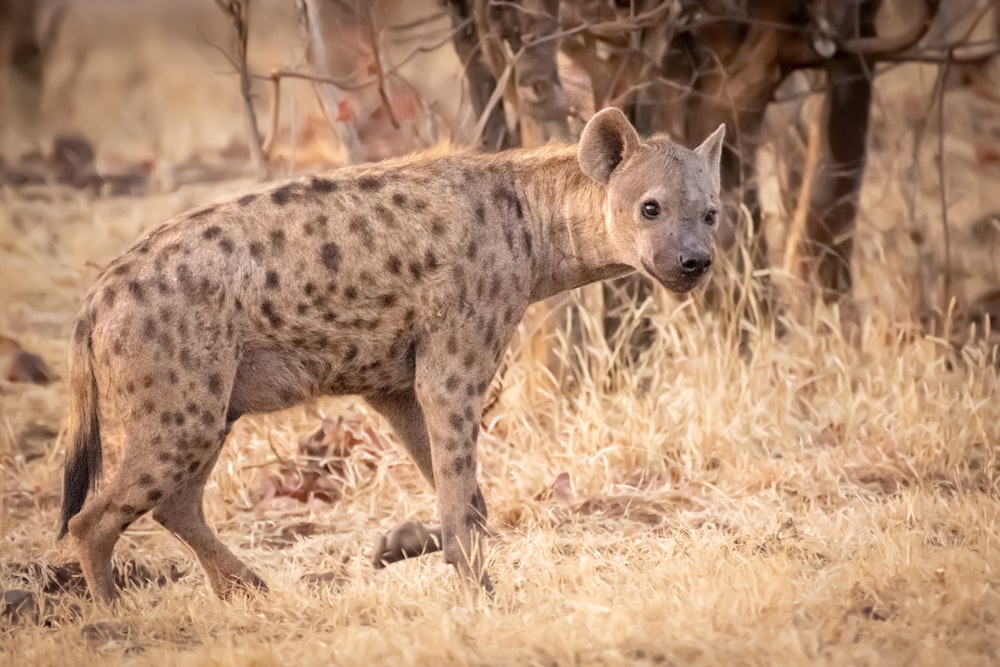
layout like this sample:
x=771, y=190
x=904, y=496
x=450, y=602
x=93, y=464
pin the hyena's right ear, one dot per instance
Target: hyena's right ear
x=607, y=140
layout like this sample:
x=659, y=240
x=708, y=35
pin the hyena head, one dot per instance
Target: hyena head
x=663, y=199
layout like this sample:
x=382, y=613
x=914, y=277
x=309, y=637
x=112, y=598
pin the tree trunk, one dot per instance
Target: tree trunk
x=823, y=254
x=481, y=81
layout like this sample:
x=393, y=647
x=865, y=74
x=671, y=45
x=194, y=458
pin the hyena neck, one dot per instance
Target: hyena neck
x=566, y=211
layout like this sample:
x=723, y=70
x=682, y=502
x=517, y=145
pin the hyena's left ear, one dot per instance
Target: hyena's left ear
x=711, y=148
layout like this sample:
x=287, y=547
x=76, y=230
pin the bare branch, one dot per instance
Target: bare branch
x=238, y=12
x=275, y=115
x=943, y=78
x=365, y=6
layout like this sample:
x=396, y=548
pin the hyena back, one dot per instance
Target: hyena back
x=401, y=281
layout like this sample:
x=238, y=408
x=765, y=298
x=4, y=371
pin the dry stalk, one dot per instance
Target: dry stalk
x=364, y=8
x=943, y=182
x=238, y=12
x=275, y=117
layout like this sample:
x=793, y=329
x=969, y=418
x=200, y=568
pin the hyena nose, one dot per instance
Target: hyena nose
x=695, y=262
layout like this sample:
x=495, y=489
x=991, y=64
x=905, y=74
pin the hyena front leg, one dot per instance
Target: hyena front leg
x=447, y=382
x=409, y=539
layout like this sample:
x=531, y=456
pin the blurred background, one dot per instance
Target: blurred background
x=801, y=461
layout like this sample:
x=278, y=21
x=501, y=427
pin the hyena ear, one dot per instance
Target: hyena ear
x=607, y=140
x=711, y=148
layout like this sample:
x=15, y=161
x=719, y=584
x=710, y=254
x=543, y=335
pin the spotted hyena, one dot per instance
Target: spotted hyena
x=401, y=281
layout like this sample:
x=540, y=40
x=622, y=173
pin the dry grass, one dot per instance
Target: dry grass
x=828, y=497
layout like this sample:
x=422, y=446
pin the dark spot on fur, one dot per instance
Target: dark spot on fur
x=148, y=406
x=351, y=293
x=322, y=185
x=84, y=327
x=481, y=214
x=226, y=244
x=471, y=251
x=166, y=417
x=385, y=215
x=329, y=255
x=207, y=418
x=507, y=197
x=302, y=308
x=419, y=205
x=149, y=328
x=430, y=260
x=147, y=381
x=526, y=239
x=256, y=249
x=452, y=345
x=154, y=495
x=122, y=269
x=451, y=384
x=245, y=200
x=130, y=387
x=268, y=310
x=351, y=353
x=416, y=270
x=387, y=300
x=278, y=240
x=271, y=280
x=409, y=316
x=179, y=418
x=399, y=199
x=172, y=376
x=193, y=466
x=184, y=276
x=145, y=479
x=108, y=297
x=456, y=421
x=369, y=183
x=437, y=226
x=309, y=289
x=469, y=359
x=211, y=232
x=395, y=265
x=136, y=290
x=359, y=225
x=215, y=384
x=283, y=195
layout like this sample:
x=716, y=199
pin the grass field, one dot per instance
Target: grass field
x=831, y=496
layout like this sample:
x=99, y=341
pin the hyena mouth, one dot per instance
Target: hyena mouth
x=679, y=281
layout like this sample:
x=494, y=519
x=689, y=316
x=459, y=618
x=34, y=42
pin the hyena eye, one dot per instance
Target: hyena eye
x=650, y=209
x=710, y=217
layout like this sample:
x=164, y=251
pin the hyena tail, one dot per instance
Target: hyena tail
x=83, y=436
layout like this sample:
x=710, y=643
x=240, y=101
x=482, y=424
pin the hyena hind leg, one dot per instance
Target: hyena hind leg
x=182, y=513
x=104, y=517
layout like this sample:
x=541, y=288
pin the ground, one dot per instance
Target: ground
x=829, y=496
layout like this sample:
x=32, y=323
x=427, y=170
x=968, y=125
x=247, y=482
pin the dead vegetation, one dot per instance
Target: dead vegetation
x=817, y=487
